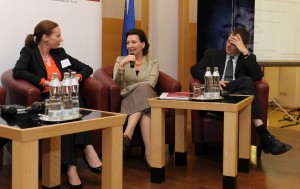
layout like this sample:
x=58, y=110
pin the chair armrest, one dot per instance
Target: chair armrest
x=2, y=101
x=114, y=95
x=166, y=83
x=94, y=94
x=2, y=95
x=262, y=91
x=19, y=91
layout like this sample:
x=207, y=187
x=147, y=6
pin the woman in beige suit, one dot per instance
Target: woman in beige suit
x=137, y=86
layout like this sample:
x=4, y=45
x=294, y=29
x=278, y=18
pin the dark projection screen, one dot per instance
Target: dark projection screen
x=216, y=19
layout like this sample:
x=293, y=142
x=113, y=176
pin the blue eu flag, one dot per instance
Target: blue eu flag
x=128, y=23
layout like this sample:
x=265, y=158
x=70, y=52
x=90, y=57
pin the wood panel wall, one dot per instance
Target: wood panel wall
x=187, y=40
x=192, y=52
x=111, y=39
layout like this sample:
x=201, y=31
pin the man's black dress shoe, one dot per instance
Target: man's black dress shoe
x=80, y=186
x=93, y=169
x=274, y=146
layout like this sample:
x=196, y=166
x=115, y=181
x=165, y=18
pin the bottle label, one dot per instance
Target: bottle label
x=66, y=112
x=216, y=94
x=54, y=113
x=75, y=111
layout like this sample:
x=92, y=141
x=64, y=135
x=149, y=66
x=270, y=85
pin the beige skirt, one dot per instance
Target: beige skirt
x=137, y=100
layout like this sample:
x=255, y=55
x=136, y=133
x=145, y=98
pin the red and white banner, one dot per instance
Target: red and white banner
x=80, y=22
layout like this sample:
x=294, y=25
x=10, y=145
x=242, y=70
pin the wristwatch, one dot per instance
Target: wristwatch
x=245, y=56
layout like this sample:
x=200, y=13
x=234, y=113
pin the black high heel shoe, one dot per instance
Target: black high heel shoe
x=126, y=142
x=93, y=169
x=80, y=186
x=147, y=163
x=71, y=186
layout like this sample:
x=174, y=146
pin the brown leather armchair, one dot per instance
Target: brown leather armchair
x=207, y=127
x=2, y=101
x=165, y=84
x=93, y=93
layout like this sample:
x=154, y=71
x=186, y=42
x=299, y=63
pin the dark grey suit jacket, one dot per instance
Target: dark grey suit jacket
x=30, y=65
x=245, y=67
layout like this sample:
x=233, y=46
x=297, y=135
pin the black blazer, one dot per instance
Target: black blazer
x=30, y=65
x=245, y=67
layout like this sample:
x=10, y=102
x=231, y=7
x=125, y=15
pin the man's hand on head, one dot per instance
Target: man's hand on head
x=238, y=42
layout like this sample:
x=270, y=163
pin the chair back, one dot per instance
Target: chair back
x=2, y=95
x=105, y=75
x=19, y=91
x=2, y=101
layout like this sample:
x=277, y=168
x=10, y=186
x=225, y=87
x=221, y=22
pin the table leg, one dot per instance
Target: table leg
x=25, y=164
x=181, y=137
x=112, y=157
x=244, y=139
x=230, y=150
x=157, y=145
x=51, y=163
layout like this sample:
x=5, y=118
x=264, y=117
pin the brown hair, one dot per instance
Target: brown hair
x=44, y=27
x=143, y=38
x=245, y=35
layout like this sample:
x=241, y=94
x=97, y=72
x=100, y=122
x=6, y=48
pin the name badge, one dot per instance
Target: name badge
x=65, y=63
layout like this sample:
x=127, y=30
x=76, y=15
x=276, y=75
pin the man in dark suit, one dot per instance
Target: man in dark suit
x=240, y=80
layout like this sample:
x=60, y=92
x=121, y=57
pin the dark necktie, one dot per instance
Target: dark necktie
x=229, y=70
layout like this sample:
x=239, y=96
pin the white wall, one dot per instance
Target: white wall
x=276, y=31
x=276, y=38
x=163, y=34
x=80, y=23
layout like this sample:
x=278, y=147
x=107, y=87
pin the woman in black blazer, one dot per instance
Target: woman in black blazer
x=39, y=59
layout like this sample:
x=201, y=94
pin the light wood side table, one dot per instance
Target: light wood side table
x=237, y=130
x=25, y=147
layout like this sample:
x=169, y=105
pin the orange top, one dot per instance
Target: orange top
x=52, y=68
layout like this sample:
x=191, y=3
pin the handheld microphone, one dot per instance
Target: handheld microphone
x=37, y=106
x=131, y=62
x=9, y=110
x=13, y=110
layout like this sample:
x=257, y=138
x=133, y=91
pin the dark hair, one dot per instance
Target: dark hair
x=142, y=37
x=44, y=27
x=245, y=35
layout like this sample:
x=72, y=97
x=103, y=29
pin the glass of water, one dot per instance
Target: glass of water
x=197, y=91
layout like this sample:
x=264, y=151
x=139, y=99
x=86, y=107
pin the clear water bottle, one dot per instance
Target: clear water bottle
x=66, y=106
x=208, y=83
x=54, y=108
x=75, y=93
x=46, y=109
x=215, y=87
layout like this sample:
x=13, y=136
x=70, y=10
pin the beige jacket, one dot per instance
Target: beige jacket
x=128, y=79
